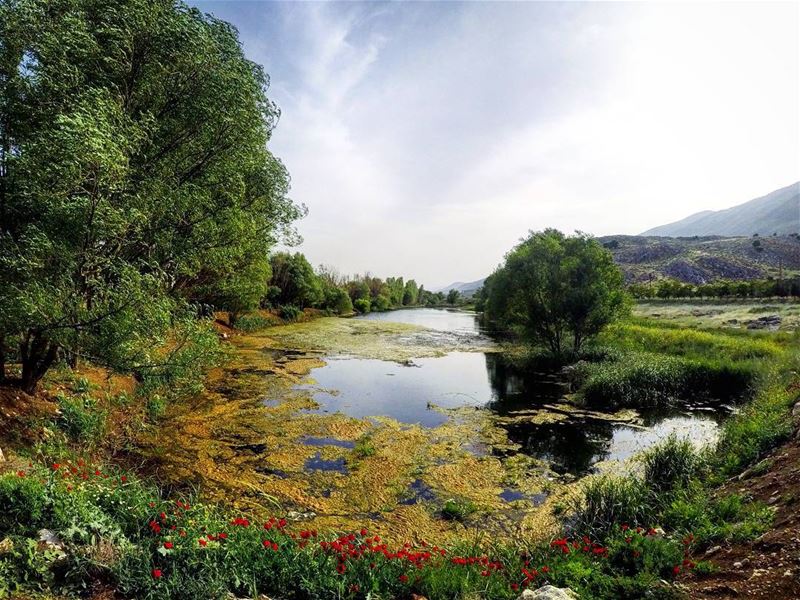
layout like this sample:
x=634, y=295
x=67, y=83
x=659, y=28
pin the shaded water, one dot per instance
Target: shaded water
x=411, y=392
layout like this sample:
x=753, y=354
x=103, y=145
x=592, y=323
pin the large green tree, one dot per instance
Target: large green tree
x=556, y=290
x=134, y=178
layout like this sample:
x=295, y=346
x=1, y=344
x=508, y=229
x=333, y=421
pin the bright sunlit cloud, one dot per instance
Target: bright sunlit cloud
x=426, y=138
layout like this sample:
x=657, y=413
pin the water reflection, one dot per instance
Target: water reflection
x=366, y=387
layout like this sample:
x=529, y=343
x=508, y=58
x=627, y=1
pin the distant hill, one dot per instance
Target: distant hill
x=701, y=259
x=777, y=212
x=465, y=289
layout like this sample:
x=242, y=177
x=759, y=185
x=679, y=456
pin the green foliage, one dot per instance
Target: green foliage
x=457, y=510
x=380, y=303
x=362, y=305
x=644, y=379
x=721, y=288
x=296, y=281
x=118, y=530
x=608, y=501
x=364, y=447
x=81, y=419
x=453, y=296
x=254, y=322
x=726, y=519
x=290, y=313
x=555, y=289
x=139, y=178
x=670, y=465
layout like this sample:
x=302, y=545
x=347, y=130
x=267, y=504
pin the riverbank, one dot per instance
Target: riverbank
x=259, y=442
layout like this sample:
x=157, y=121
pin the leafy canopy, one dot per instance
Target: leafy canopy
x=135, y=178
x=556, y=290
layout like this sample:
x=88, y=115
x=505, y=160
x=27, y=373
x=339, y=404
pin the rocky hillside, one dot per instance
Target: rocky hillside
x=777, y=212
x=702, y=259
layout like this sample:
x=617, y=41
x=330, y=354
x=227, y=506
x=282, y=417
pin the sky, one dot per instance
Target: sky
x=427, y=138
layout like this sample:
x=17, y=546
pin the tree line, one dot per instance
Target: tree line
x=721, y=288
x=294, y=285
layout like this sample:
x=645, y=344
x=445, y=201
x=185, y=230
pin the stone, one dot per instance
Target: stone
x=549, y=592
x=6, y=546
x=713, y=550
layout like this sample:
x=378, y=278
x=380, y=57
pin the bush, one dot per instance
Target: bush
x=670, y=465
x=362, y=305
x=610, y=500
x=290, y=313
x=81, y=419
x=252, y=322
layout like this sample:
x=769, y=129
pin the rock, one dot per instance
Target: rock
x=549, y=592
x=6, y=546
x=713, y=550
x=49, y=539
x=771, y=322
x=787, y=573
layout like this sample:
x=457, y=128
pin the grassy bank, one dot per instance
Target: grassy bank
x=647, y=363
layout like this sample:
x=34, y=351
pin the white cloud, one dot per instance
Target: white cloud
x=426, y=138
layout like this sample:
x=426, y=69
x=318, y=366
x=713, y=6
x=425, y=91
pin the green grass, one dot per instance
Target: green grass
x=647, y=363
x=670, y=465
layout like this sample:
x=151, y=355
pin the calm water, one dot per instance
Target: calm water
x=366, y=387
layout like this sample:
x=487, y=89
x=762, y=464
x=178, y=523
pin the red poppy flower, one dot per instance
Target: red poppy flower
x=202, y=542
x=156, y=573
x=403, y=578
x=168, y=545
x=676, y=570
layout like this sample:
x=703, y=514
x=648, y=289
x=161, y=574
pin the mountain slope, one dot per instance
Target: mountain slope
x=777, y=212
x=465, y=289
x=702, y=259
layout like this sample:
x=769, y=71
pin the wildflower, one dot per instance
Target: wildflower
x=341, y=568
x=514, y=587
x=156, y=573
x=625, y=527
x=123, y=479
x=20, y=473
x=676, y=570
x=202, y=542
x=403, y=578
x=222, y=536
x=363, y=532
x=56, y=466
x=169, y=545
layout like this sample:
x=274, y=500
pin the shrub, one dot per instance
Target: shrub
x=290, y=312
x=81, y=419
x=254, y=322
x=670, y=465
x=362, y=305
x=610, y=500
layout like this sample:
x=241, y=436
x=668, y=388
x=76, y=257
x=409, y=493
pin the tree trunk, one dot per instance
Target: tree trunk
x=38, y=355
